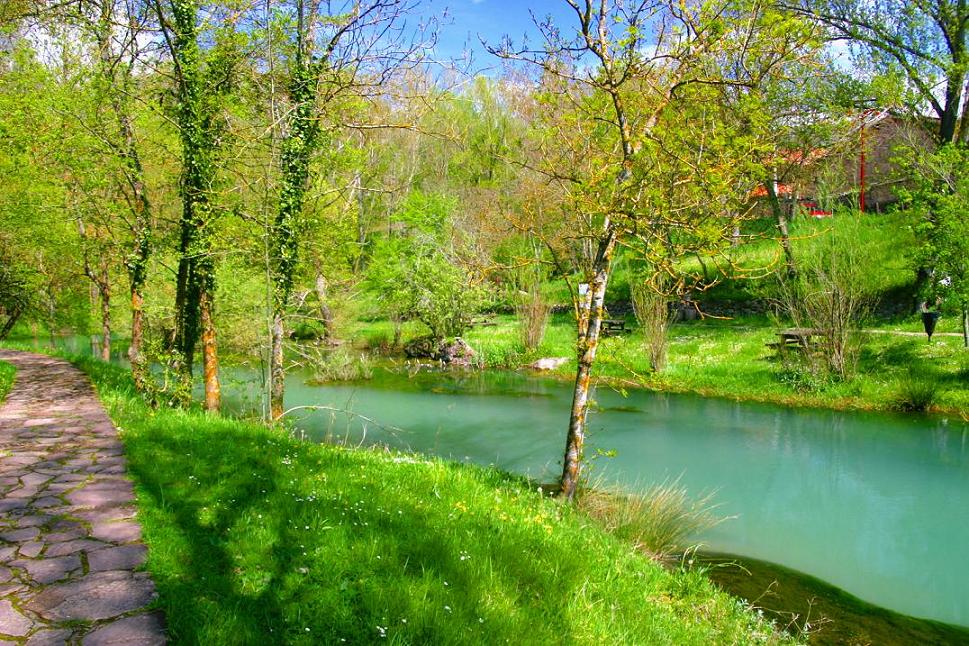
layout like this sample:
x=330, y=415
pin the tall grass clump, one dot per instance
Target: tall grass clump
x=660, y=521
x=7, y=373
x=341, y=364
x=654, y=316
x=533, y=312
x=917, y=392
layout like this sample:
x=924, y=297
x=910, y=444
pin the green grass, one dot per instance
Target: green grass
x=255, y=537
x=886, y=242
x=7, y=373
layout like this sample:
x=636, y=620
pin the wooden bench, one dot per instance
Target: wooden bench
x=485, y=322
x=613, y=326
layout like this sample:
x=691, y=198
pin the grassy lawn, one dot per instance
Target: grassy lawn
x=255, y=538
x=7, y=373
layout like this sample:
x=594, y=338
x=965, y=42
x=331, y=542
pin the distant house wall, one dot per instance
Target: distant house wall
x=831, y=176
x=883, y=141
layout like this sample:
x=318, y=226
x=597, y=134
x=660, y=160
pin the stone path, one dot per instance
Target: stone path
x=69, y=541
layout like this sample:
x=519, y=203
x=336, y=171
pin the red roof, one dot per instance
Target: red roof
x=782, y=189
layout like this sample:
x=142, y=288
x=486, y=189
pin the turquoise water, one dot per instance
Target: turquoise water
x=876, y=504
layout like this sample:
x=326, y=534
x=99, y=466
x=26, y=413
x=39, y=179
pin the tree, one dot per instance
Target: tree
x=14, y=294
x=626, y=135
x=418, y=274
x=925, y=40
x=203, y=80
x=941, y=198
x=359, y=48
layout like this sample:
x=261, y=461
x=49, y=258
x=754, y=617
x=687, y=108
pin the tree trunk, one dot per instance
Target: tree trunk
x=326, y=314
x=963, y=136
x=137, y=337
x=104, y=292
x=277, y=385
x=781, y=218
x=948, y=120
x=210, y=356
x=12, y=317
x=965, y=326
x=589, y=325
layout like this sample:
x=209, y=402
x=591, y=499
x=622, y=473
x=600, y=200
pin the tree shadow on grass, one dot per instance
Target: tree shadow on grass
x=203, y=490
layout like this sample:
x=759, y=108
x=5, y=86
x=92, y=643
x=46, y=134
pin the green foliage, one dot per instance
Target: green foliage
x=415, y=274
x=256, y=537
x=730, y=358
x=940, y=197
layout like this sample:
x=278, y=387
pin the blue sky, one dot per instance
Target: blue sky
x=491, y=20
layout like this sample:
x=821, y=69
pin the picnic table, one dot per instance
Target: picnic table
x=800, y=338
x=613, y=326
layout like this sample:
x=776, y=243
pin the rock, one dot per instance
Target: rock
x=115, y=532
x=549, y=363
x=49, y=638
x=32, y=549
x=101, y=595
x=139, y=630
x=126, y=557
x=455, y=353
x=45, y=571
x=102, y=494
x=424, y=347
x=12, y=622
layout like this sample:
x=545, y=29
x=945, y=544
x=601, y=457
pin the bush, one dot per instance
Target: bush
x=420, y=276
x=652, y=310
x=830, y=295
x=533, y=312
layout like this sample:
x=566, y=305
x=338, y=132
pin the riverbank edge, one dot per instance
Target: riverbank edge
x=792, y=597
x=880, y=616
x=843, y=404
x=696, y=588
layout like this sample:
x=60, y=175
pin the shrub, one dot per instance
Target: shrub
x=533, y=312
x=652, y=310
x=830, y=295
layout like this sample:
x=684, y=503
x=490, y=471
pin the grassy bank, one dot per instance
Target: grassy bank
x=7, y=373
x=730, y=358
x=258, y=538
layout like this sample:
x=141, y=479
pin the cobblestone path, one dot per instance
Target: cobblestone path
x=69, y=541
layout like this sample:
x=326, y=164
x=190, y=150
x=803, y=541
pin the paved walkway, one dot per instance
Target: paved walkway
x=69, y=543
